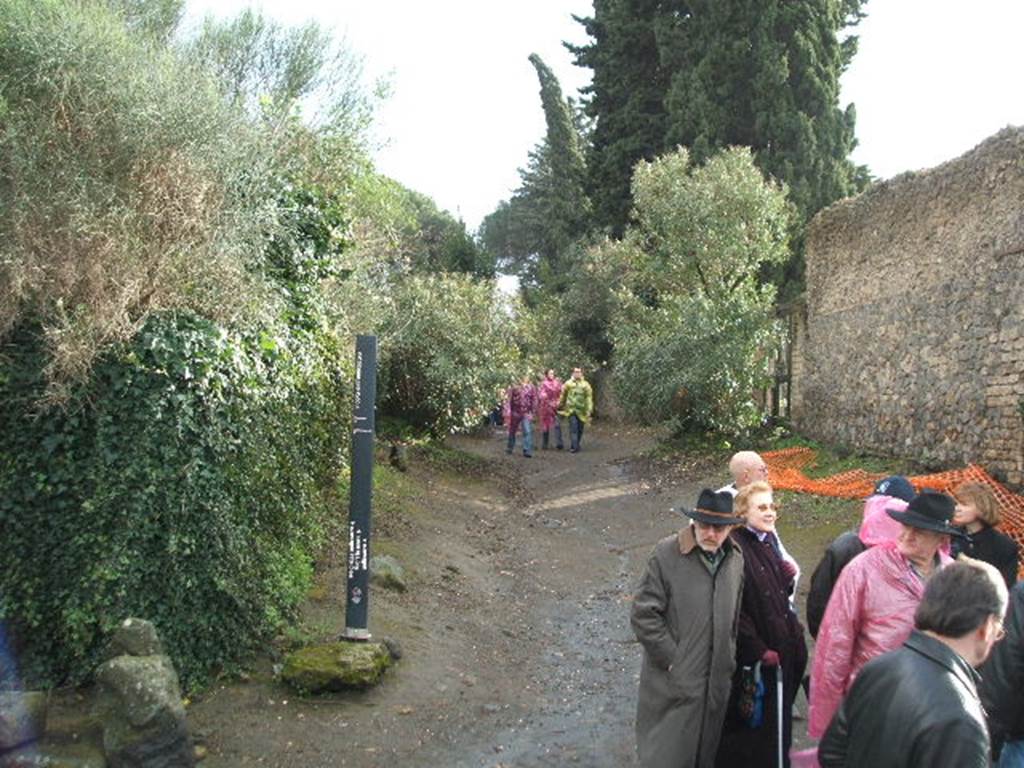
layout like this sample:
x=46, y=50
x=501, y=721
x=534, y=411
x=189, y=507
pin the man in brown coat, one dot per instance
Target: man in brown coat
x=685, y=615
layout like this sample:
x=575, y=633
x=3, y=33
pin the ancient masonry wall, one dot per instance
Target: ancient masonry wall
x=911, y=339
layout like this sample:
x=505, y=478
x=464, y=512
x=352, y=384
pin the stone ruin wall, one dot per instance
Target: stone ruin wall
x=911, y=339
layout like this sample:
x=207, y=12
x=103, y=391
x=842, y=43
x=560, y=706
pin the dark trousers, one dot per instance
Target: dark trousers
x=575, y=432
x=558, y=435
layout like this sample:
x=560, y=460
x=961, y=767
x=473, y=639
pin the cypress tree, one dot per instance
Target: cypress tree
x=567, y=205
x=532, y=233
x=765, y=74
x=625, y=98
x=707, y=74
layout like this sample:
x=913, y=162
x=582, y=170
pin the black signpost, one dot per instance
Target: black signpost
x=358, y=586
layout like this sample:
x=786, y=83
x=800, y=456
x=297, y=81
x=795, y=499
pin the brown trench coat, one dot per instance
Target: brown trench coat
x=685, y=618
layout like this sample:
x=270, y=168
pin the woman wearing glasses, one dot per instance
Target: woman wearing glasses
x=769, y=634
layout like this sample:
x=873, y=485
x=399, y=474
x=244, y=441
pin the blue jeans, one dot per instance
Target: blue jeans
x=575, y=432
x=1012, y=755
x=527, y=426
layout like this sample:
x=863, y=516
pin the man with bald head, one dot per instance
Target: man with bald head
x=745, y=467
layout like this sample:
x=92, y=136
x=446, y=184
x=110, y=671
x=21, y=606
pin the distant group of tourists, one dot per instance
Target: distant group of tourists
x=913, y=665
x=548, y=402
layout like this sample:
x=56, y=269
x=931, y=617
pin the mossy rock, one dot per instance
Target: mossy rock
x=336, y=666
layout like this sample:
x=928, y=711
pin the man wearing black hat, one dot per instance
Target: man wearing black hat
x=872, y=607
x=684, y=614
x=918, y=707
x=888, y=492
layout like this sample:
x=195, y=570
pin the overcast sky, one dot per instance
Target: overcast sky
x=932, y=79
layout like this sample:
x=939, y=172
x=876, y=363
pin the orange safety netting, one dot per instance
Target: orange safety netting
x=785, y=472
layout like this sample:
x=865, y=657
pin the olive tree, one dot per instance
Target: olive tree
x=695, y=327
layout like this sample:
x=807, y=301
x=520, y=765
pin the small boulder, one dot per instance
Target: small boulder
x=394, y=648
x=22, y=718
x=139, y=703
x=386, y=572
x=399, y=456
x=336, y=666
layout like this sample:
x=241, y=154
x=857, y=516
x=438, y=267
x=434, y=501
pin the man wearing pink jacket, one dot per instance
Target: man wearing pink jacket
x=871, y=609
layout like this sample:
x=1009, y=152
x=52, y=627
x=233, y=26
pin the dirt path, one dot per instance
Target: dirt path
x=515, y=629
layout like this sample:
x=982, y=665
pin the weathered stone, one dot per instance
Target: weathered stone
x=908, y=341
x=22, y=718
x=399, y=456
x=135, y=637
x=140, y=705
x=394, y=648
x=336, y=666
x=386, y=572
x=46, y=755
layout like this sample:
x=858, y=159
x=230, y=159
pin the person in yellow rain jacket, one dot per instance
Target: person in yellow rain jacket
x=576, y=403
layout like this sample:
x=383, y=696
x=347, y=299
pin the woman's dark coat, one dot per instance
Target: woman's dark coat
x=766, y=622
x=993, y=547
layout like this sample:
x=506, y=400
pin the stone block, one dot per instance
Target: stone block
x=138, y=700
x=46, y=755
x=22, y=718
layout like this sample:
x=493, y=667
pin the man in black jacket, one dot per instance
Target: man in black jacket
x=1002, y=686
x=918, y=707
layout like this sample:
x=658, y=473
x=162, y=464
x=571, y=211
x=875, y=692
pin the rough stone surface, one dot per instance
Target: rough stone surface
x=22, y=718
x=55, y=756
x=386, y=572
x=139, y=702
x=135, y=637
x=399, y=456
x=911, y=341
x=394, y=648
x=336, y=666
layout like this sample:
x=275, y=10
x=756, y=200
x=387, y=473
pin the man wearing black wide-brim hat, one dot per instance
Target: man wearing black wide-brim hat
x=685, y=614
x=871, y=609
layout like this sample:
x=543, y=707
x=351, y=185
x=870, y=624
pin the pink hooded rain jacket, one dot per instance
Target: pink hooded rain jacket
x=871, y=611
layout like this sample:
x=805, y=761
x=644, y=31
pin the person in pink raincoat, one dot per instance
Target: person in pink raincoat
x=894, y=492
x=871, y=609
x=521, y=407
x=550, y=392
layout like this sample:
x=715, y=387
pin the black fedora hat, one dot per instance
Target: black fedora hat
x=713, y=509
x=930, y=510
